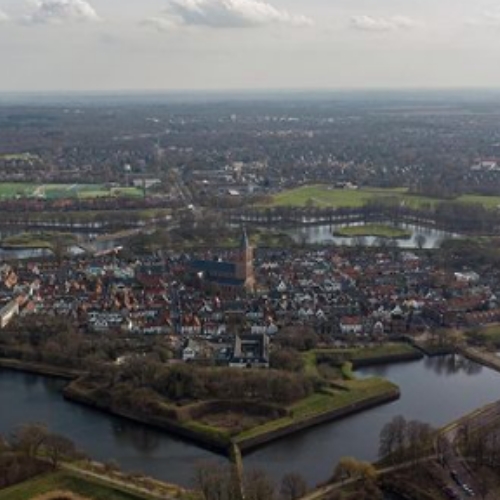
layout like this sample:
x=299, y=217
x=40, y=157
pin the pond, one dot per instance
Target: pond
x=322, y=234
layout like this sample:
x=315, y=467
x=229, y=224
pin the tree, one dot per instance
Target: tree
x=393, y=438
x=217, y=482
x=350, y=468
x=293, y=486
x=29, y=438
x=420, y=240
x=258, y=486
x=57, y=447
x=286, y=359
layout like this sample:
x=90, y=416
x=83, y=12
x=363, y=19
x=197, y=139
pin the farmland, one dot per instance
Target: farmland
x=323, y=196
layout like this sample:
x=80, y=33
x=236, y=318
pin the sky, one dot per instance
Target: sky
x=161, y=45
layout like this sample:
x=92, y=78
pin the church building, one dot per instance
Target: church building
x=229, y=276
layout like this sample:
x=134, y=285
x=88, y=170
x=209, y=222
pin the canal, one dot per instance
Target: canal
x=434, y=390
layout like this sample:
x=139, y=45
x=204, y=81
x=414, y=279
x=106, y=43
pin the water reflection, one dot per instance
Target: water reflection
x=452, y=364
x=142, y=438
x=318, y=234
x=434, y=390
x=53, y=385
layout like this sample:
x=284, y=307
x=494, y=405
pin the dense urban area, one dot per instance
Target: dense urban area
x=243, y=273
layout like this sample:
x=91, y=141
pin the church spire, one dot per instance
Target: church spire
x=244, y=239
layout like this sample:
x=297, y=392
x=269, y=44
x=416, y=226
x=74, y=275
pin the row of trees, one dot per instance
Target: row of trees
x=404, y=440
x=217, y=482
x=31, y=450
x=54, y=340
x=182, y=382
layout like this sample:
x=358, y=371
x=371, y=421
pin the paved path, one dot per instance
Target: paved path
x=118, y=484
x=475, y=420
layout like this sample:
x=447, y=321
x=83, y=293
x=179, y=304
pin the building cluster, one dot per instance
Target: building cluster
x=228, y=307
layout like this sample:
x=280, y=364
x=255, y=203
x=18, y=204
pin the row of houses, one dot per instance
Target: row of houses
x=340, y=292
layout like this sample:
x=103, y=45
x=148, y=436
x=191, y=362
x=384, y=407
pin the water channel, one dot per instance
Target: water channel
x=321, y=234
x=434, y=390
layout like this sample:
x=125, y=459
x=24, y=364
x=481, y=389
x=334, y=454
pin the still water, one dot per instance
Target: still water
x=434, y=390
x=325, y=234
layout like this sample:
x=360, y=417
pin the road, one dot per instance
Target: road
x=325, y=490
x=453, y=461
x=452, y=458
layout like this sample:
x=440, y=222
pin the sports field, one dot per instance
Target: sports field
x=12, y=190
x=323, y=196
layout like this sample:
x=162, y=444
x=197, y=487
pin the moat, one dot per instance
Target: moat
x=435, y=390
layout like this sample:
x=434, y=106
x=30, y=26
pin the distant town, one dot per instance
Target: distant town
x=253, y=282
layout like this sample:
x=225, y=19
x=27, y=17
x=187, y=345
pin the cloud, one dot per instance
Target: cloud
x=488, y=19
x=392, y=23
x=61, y=11
x=3, y=17
x=224, y=14
x=159, y=23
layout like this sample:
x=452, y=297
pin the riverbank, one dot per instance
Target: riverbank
x=361, y=357
x=274, y=431
x=487, y=359
x=424, y=385
x=351, y=397
x=94, y=482
x=432, y=350
x=205, y=437
x=40, y=369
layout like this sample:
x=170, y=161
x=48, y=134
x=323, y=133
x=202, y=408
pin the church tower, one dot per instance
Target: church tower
x=244, y=262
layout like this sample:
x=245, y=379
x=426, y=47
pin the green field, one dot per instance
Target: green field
x=64, y=481
x=19, y=157
x=343, y=392
x=38, y=240
x=377, y=230
x=323, y=196
x=11, y=190
x=485, y=335
x=355, y=391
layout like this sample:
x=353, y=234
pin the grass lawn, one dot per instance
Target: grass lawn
x=322, y=196
x=377, y=230
x=319, y=403
x=10, y=190
x=102, y=192
x=63, y=481
x=367, y=353
x=487, y=334
x=19, y=157
x=231, y=239
x=38, y=240
x=90, y=216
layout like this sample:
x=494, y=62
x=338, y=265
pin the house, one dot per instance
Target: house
x=351, y=324
x=8, y=312
x=250, y=351
x=197, y=351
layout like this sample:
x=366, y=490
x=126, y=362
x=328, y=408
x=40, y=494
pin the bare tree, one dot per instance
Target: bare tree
x=293, y=486
x=258, y=486
x=29, y=438
x=58, y=447
x=217, y=482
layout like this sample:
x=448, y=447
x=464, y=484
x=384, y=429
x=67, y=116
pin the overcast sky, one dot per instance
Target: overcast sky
x=248, y=44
